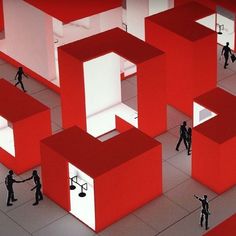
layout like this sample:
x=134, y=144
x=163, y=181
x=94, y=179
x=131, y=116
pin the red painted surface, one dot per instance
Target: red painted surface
x=121, y=168
x=1, y=16
x=214, y=142
x=75, y=9
x=122, y=125
x=226, y=228
x=150, y=64
x=193, y=51
x=30, y=121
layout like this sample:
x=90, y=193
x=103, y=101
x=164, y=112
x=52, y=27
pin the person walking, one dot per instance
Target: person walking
x=204, y=211
x=183, y=136
x=226, y=51
x=18, y=76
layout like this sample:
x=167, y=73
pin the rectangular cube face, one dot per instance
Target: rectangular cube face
x=55, y=177
x=82, y=207
x=206, y=161
x=127, y=187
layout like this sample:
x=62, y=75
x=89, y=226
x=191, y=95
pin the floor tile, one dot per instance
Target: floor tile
x=129, y=226
x=3, y=173
x=182, y=162
x=22, y=193
x=128, y=90
x=67, y=225
x=132, y=80
x=161, y=213
x=183, y=194
x=9, y=228
x=229, y=84
x=33, y=218
x=48, y=98
x=132, y=102
x=108, y=135
x=172, y=176
x=56, y=115
x=169, y=143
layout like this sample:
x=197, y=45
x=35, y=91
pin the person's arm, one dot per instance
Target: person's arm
x=29, y=178
x=222, y=51
x=33, y=188
x=16, y=75
x=25, y=75
x=18, y=181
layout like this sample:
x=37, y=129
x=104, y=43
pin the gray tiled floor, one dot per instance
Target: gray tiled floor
x=175, y=213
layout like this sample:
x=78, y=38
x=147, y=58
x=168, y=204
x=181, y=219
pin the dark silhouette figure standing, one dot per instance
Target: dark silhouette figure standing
x=18, y=76
x=9, y=180
x=38, y=193
x=189, y=140
x=204, y=211
x=183, y=136
x=226, y=51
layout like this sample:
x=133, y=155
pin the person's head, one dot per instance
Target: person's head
x=190, y=130
x=11, y=172
x=184, y=123
x=20, y=68
x=205, y=196
x=227, y=44
x=35, y=172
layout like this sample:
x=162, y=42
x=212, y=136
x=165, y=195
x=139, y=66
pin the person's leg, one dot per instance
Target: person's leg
x=185, y=143
x=9, y=198
x=22, y=86
x=40, y=195
x=201, y=220
x=16, y=83
x=13, y=199
x=180, y=140
x=206, y=221
x=226, y=61
x=36, y=197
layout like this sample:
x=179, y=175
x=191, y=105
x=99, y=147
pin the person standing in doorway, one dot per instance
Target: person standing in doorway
x=189, y=140
x=18, y=76
x=226, y=51
x=183, y=136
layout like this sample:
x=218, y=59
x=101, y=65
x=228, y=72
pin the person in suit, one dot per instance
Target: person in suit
x=189, y=140
x=9, y=181
x=226, y=51
x=38, y=193
x=18, y=76
x=204, y=211
x=183, y=136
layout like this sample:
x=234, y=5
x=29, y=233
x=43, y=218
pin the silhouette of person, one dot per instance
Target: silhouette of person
x=9, y=180
x=226, y=51
x=204, y=211
x=18, y=76
x=189, y=139
x=183, y=136
x=38, y=193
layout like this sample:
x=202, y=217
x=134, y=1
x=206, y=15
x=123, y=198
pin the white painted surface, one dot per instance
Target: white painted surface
x=102, y=83
x=201, y=114
x=228, y=31
x=6, y=137
x=208, y=21
x=104, y=121
x=29, y=37
x=82, y=207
